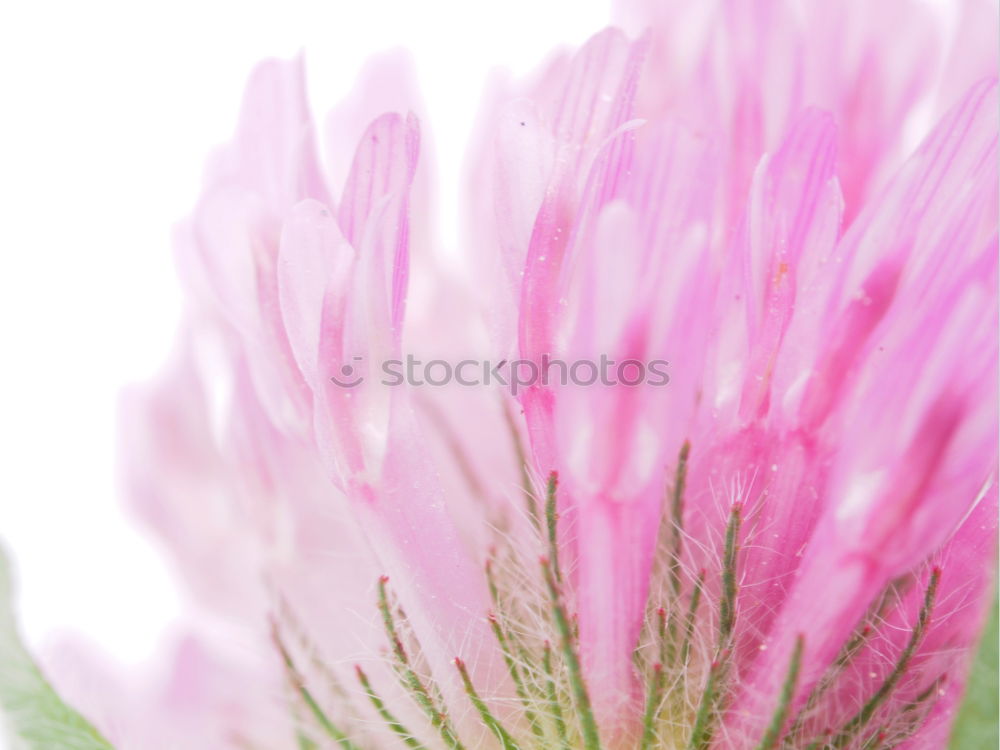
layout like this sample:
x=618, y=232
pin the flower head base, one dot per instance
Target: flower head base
x=688, y=683
x=788, y=546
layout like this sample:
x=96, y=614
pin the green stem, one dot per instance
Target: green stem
x=531, y=503
x=701, y=735
x=410, y=680
x=553, y=697
x=655, y=685
x=506, y=741
x=550, y=571
x=551, y=520
x=773, y=733
x=298, y=683
x=515, y=675
x=387, y=716
x=692, y=615
x=858, y=722
x=588, y=725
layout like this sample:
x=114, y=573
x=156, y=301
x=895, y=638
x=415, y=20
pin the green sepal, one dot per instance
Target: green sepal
x=976, y=725
x=35, y=715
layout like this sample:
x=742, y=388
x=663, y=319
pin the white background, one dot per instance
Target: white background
x=107, y=111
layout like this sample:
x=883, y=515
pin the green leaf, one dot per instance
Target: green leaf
x=976, y=725
x=35, y=715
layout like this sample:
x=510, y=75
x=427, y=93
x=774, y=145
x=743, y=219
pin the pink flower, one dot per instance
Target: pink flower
x=785, y=540
x=820, y=378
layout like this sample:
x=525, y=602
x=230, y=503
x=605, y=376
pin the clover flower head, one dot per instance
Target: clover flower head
x=784, y=540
